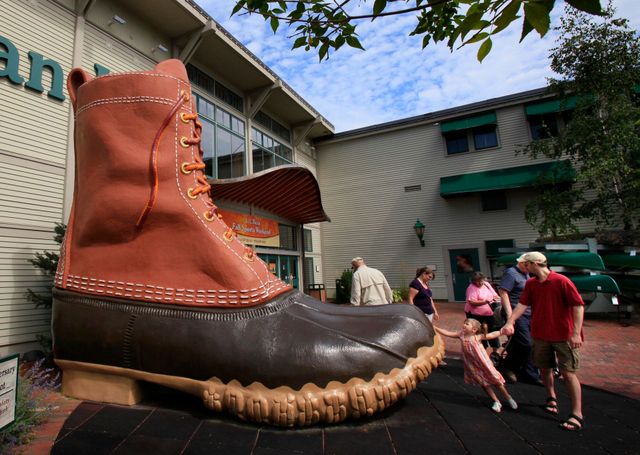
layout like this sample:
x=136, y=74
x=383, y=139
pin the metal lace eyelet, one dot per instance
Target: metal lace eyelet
x=249, y=257
x=209, y=216
x=184, y=170
x=182, y=117
x=187, y=95
x=228, y=235
x=184, y=143
x=191, y=195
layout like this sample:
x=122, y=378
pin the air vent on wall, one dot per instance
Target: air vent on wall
x=408, y=189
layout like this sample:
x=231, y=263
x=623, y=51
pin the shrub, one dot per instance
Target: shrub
x=343, y=286
x=31, y=406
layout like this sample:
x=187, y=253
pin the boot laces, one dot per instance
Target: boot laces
x=198, y=165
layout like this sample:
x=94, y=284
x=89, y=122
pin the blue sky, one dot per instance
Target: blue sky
x=395, y=78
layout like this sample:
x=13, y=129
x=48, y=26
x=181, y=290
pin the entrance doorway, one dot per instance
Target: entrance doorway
x=284, y=267
x=463, y=262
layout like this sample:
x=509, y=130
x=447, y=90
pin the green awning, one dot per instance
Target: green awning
x=469, y=122
x=502, y=179
x=546, y=107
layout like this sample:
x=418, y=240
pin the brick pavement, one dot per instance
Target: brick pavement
x=609, y=362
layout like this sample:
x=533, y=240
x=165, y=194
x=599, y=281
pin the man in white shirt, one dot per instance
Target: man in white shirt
x=369, y=286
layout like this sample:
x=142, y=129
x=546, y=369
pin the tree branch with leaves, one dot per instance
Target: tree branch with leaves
x=324, y=25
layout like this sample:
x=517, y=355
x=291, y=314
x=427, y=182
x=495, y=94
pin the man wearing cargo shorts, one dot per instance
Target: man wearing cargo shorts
x=557, y=312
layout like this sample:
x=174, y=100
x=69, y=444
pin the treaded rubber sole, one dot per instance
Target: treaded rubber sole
x=281, y=406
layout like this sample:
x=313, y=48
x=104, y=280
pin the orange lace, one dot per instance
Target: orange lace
x=202, y=187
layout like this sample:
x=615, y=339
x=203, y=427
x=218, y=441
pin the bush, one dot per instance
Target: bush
x=401, y=295
x=31, y=406
x=343, y=286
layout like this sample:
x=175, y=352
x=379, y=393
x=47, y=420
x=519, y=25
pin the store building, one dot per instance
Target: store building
x=455, y=171
x=252, y=121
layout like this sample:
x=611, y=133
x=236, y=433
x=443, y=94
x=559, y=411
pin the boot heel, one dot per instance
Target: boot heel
x=107, y=388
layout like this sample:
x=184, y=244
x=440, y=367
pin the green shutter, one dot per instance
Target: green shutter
x=469, y=122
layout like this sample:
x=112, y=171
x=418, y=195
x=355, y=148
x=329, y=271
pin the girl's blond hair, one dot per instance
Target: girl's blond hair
x=482, y=328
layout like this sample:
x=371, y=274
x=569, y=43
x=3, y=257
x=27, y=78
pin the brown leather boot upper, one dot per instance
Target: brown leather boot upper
x=142, y=225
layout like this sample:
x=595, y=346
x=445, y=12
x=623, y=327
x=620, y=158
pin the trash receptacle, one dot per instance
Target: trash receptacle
x=317, y=291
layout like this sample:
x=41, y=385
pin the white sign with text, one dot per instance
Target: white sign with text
x=8, y=390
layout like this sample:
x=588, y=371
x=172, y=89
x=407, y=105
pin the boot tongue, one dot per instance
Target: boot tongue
x=173, y=67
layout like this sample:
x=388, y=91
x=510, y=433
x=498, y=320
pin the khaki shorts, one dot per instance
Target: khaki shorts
x=545, y=354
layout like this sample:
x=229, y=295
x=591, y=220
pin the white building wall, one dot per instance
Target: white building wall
x=33, y=144
x=363, y=182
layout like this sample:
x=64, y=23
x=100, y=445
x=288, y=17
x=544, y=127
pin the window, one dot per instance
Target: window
x=493, y=200
x=543, y=126
x=485, y=137
x=459, y=133
x=308, y=240
x=222, y=141
x=457, y=142
x=268, y=152
x=270, y=124
x=288, y=237
x=214, y=88
x=309, y=277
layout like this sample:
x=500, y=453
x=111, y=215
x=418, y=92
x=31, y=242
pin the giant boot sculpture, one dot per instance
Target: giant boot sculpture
x=153, y=286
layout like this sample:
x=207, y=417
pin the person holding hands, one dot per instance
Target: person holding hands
x=557, y=314
x=478, y=368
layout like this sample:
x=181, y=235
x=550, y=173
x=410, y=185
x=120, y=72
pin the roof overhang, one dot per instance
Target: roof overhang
x=509, y=178
x=288, y=191
x=194, y=37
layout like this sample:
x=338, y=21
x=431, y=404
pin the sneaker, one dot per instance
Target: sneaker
x=512, y=403
x=497, y=407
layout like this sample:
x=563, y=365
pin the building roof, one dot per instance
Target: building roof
x=443, y=114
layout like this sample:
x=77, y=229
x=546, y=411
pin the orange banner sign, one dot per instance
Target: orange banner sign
x=252, y=229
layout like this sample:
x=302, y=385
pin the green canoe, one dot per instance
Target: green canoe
x=580, y=260
x=595, y=283
x=621, y=261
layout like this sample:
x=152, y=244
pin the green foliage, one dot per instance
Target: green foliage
x=31, y=406
x=599, y=65
x=401, y=295
x=343, y=289
x=47, y=262
x=322, y=25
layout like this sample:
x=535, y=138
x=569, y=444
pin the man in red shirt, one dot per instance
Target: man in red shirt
x=557, y=312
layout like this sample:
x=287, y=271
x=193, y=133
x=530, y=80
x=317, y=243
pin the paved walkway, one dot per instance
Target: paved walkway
x=442, y=416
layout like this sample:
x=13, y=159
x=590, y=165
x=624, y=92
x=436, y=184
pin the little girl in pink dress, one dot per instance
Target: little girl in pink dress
x=478, y=368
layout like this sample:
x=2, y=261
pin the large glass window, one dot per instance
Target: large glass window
x=222, y=141
x=288, y=239
x=308, y=240
x=268, y=152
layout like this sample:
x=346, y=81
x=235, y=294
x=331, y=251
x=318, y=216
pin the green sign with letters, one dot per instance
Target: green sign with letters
x=10, y=56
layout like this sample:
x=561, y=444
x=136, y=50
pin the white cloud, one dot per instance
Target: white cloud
x=394, y=78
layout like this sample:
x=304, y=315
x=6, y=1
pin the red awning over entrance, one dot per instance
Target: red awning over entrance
x=290, y=191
